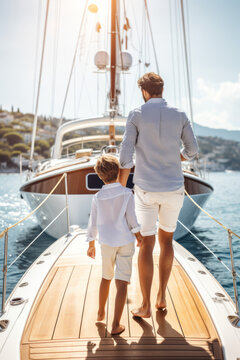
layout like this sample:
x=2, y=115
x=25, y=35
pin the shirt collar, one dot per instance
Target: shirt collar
x=157, y=100
x=108, y=186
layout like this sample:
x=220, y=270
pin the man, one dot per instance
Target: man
x=155, y=131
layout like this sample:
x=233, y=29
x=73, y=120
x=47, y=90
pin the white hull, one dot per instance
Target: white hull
x=79, y=210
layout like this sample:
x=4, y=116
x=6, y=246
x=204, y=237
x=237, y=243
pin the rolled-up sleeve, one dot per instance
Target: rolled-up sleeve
x=92, y=223
x=131, y=216
x=128, y=143
x=190, y=146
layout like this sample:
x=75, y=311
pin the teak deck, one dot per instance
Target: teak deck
x=62, y=323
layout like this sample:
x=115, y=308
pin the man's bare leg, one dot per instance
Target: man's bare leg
x=145, y=269
x=120, y=300
x=103, y=295
x=165, y=265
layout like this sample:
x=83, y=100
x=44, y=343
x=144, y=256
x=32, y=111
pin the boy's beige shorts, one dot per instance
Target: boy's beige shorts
x=164, y=206
x=122, y=257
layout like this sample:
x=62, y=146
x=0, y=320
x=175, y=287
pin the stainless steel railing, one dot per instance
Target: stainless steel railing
x=5, y=234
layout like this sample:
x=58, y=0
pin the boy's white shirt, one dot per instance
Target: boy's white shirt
x=113, y=216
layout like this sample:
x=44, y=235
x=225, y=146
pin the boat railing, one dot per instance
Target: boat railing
x=234, y=319
x=6, y=231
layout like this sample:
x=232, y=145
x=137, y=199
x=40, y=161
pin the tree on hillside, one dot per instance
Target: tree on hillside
x=13, y=138
x=5, y=130
x=43, y=144
x=23, y=148
x=5, y=156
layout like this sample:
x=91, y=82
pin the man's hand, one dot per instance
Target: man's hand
x=139, y=238
x=91, y=249
x=182, y=158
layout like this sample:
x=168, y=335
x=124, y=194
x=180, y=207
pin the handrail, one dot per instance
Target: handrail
x=5, y=232
x=208, y=248
x=32, y=212
x=234, y=319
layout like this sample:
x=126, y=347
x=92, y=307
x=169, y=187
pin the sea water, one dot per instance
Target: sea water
x=224, y=205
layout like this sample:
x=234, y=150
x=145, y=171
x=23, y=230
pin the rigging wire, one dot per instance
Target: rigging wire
x=178, y=54
x=150, y=27
x=55, y=52
x=184, y=76
x=172, y=48
x=36, y=52
x=189, y=41
x=73, y=62
x=39, y=87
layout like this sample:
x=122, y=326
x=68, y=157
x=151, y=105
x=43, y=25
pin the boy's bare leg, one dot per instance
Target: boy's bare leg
x=165, y=265
x=120, y=300
x=145, y=269
x=103, y=295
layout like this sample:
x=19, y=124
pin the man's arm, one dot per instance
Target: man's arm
x=190, y=146
x=123, y=176
x=127, y=149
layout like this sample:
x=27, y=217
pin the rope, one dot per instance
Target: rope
x=213, y=218
x=32, y=212
x=13, y=262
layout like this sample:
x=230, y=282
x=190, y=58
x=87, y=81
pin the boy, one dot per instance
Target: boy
x=113, y=218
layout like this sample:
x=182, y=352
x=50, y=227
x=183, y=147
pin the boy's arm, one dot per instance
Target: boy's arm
x=92, y=229
x=132, y=219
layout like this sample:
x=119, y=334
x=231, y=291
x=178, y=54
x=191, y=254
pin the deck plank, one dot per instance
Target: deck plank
x=39, y=297
x=188, y=313
x=89, y=328
x=111, y=305
x=166, y=322
x=48, y=309
x=138, y=327
x=69, y=319
x=62, y=322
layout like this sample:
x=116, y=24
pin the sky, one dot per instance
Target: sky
x=213, y=33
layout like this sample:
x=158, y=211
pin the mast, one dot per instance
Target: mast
x=187, y=65
x=114, y=76
x=38, y=91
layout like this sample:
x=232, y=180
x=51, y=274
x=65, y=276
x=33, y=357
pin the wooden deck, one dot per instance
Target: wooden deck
x=62, y=323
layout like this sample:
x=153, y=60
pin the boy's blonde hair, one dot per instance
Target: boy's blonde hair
x=107, y=168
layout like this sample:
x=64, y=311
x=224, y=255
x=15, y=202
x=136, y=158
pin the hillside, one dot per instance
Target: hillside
x=216, y=153
x=221, y=133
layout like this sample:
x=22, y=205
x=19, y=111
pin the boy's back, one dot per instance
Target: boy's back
x=113, y=215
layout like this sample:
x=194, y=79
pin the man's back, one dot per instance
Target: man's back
x=156, y=130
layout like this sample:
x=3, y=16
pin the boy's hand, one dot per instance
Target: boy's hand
x=139, y=238
x=91, y=250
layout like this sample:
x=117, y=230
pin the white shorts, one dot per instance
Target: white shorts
x=122, y=257
x=164, y=206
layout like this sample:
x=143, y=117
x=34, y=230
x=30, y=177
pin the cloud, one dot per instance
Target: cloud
x=218, y=105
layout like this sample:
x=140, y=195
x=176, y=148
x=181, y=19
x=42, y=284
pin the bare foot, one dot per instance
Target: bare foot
x=116, y=330
x=100, y=315
x=161, y=302
x=142, y=312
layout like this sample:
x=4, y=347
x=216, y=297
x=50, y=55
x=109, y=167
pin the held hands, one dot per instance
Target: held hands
x=91, y=250
x=139, y=238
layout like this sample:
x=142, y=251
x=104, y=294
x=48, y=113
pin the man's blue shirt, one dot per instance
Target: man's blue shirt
x=155, y=131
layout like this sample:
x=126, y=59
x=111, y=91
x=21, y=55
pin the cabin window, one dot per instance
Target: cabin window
x=94, y=183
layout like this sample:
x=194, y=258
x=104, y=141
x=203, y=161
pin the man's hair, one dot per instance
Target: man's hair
x=152, y=83
x=107, y=168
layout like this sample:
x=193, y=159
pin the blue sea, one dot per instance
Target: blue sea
x=224, y=204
